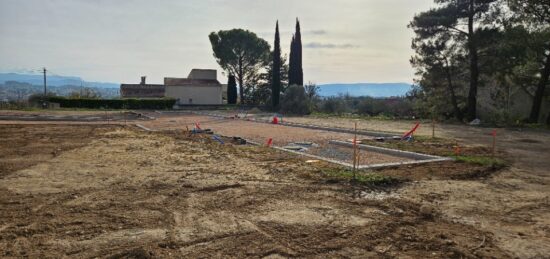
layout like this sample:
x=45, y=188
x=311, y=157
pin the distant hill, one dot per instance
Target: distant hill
x=17, y=91
x=365, y=89
x=53, y=80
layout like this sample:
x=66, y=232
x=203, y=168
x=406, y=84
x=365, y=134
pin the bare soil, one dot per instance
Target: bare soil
x=513, y=204
x=122, y=193
x=260, y=132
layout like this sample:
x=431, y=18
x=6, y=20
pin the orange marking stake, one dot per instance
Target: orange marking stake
x=411, y=132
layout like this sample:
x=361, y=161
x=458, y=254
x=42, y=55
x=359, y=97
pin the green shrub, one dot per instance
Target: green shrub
x=295, y=101
x=158, y=104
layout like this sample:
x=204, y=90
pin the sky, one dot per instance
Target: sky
x=344, y=41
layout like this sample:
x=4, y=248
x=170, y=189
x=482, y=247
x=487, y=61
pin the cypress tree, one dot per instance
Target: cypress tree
x=276, y=70
x=298, y=73
x=291, y=64
x=231, y=90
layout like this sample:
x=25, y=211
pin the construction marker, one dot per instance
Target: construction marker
x=197, y=125
x=269, y=142
x=409, y=135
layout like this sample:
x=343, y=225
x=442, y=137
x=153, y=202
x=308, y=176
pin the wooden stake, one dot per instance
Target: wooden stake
x=433, y=127
x=355, y=150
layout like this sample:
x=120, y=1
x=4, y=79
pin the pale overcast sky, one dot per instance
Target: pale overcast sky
x=118, y=41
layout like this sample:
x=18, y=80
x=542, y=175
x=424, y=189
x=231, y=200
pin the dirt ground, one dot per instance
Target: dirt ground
x=128, y=194
x=281, y=135
x=96, y=190
x=513, y=204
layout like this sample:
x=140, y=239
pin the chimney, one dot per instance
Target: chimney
x=143, y=80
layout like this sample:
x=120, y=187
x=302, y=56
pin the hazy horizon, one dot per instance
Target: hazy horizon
x=353, y=42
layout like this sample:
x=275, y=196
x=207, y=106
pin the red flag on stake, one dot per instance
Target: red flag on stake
x=269, y=142
x=408, y=134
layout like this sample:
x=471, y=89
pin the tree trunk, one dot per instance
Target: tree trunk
x=458, y=113
x=474, y=69
x=539, y=94
x=241, y=85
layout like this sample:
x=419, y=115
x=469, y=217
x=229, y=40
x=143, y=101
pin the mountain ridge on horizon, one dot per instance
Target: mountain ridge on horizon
x=53, y=80
x=378, y=90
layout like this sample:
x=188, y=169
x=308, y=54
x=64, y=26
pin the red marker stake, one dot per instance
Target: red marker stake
x=270, y=142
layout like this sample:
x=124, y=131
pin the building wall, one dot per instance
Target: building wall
x=190, y=94
x=203, y=74
x=141, y=91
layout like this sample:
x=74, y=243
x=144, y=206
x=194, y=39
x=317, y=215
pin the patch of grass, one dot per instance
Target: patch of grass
x=362, y=178
x=482, y=160
x=355, y=116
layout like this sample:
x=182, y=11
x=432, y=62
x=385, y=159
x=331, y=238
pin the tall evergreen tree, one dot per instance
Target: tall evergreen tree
x=292, y=63
x=295, y=73
x=231, y=90
x=276, y=69
x=298, y=49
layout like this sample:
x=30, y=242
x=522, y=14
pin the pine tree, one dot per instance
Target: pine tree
x=276, y=70
x=231, y=90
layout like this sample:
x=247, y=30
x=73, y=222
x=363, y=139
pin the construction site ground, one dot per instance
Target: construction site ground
x=110, y=189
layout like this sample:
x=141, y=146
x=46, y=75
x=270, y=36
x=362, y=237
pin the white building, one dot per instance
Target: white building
x=200, y=87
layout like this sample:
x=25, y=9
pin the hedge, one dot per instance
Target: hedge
x=113, y=103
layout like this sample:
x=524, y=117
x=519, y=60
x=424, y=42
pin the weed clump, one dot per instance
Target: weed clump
x=369, y=178
x=482, y=161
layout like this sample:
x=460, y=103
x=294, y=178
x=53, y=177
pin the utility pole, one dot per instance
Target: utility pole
x=45, y=91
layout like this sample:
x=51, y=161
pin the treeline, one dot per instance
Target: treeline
x=483, y=58
x=393, y=107
x=95, y=103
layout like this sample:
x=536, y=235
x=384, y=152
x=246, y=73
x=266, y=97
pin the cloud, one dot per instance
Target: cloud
x=317, y=32
x=318, y=45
